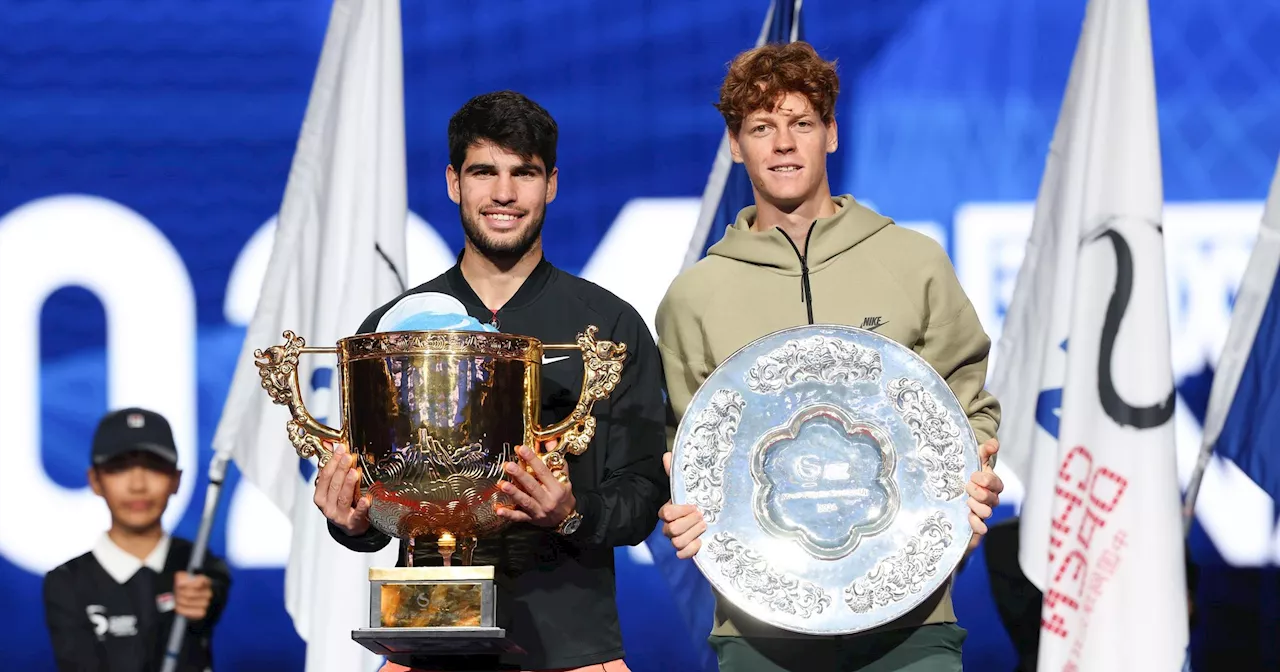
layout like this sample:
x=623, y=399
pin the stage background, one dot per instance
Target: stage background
x=144, y=143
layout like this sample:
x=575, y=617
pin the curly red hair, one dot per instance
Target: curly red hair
x=759, y=78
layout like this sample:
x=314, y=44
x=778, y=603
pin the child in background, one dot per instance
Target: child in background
x=113, y=607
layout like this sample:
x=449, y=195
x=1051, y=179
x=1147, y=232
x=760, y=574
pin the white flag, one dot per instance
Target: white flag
x=1085, y=376
x=339, y=253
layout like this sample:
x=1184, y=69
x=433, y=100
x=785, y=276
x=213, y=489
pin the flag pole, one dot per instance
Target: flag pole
x=1193, y=487
x=217, y=473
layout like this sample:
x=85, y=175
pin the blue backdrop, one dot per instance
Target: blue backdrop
x=188, y=112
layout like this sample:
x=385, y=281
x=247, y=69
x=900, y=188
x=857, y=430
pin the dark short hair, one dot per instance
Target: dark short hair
x=508, y=119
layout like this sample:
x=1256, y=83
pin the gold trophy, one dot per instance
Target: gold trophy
x=431, y=417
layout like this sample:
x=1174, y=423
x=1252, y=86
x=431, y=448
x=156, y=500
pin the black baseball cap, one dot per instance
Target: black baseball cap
x=133, y=429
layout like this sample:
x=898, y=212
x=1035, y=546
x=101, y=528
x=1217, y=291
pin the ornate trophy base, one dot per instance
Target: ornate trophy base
x=435, y=618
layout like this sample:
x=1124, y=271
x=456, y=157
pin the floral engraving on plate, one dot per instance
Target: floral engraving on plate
x=710, y=442
x=751, y=575
x=905, y=572
x=817, y=358
x=937, y=437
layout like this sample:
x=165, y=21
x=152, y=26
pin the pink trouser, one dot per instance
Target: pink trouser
x=611, y=666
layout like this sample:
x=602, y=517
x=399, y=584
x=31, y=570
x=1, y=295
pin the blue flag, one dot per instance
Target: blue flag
x=1243, y=417
x=728, y=188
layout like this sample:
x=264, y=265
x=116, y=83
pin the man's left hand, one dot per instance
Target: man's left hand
x=192, y=595
x=984, y=490
x=539, y=498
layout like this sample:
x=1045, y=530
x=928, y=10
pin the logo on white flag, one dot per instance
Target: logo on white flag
x=1125, y=414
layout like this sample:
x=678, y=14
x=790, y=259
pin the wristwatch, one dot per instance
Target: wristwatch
x=570, y=524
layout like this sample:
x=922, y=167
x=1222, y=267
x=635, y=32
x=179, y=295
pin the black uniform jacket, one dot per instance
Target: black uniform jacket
x=101, y=623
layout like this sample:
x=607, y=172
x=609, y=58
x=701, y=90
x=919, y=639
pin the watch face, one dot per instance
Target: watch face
x=571, y=525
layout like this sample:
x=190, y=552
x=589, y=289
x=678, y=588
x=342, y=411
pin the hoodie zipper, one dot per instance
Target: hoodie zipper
x=806, y=294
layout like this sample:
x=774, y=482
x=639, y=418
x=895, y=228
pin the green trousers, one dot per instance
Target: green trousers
x=928, y=648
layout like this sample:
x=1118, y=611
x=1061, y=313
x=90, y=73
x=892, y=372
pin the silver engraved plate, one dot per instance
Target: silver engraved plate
x=829, y=463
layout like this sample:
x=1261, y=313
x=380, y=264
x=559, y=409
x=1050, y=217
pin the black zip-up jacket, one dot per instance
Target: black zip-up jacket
x=99, y=625
x=557, y=594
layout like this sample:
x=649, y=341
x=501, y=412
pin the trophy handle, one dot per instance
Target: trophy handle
x=601, y=371
x=278, y=366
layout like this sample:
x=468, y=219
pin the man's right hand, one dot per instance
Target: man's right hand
x=337, y=486
x=683, y=523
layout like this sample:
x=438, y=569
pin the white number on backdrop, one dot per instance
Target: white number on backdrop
x=144, y=288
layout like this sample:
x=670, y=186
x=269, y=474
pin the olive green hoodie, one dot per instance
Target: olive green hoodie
x=859, y=269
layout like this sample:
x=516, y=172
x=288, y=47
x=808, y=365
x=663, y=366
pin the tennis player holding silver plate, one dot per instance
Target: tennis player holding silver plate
x=825, y=478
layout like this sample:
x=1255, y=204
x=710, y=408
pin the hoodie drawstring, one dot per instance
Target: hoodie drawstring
x=806, y=295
